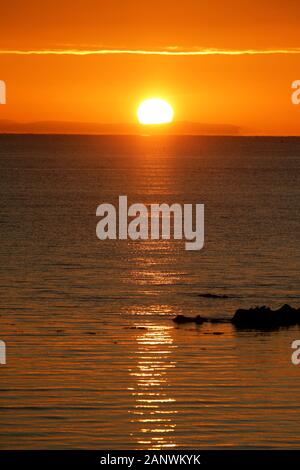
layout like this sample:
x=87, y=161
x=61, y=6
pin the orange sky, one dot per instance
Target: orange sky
x=250, y=91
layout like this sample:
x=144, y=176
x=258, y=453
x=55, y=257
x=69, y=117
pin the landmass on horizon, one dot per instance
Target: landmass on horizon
x=69, y=127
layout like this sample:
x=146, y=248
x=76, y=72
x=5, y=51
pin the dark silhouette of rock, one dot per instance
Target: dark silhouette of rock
x=217, y=320
x=213, y=296
x=180, y=319
x=258, y=318
x=265, y=318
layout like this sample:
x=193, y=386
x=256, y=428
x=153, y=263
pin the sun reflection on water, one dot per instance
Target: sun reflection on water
x=154, y=408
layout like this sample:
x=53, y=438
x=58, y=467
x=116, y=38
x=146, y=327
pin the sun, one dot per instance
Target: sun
x=155, y=111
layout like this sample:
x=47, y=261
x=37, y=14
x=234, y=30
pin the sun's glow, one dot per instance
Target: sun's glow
x=155, y=111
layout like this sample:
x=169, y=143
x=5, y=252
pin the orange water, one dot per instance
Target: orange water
x=93, y=357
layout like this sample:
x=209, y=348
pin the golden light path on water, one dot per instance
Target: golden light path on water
x=155, y=407
x=94, y=358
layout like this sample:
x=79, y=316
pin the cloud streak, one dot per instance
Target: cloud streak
x=171, y=51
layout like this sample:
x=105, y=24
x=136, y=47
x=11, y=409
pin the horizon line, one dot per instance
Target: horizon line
x=171, y=51
x=43, y=133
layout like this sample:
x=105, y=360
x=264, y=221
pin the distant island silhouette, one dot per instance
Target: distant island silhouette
x=70, y=127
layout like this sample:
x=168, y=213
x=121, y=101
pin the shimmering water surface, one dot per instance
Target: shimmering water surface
x=93, y=357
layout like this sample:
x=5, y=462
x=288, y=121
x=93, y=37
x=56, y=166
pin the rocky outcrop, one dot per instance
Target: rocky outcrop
x=265, y=318
x=181, y=319
x=259, y=318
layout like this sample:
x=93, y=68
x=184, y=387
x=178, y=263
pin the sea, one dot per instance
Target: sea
x=93, y=357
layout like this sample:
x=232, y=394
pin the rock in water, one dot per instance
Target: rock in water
x=265, y=318
x=180, y=319
x=213, y=296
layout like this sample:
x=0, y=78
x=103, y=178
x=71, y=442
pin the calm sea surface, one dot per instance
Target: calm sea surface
x=93, y=357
